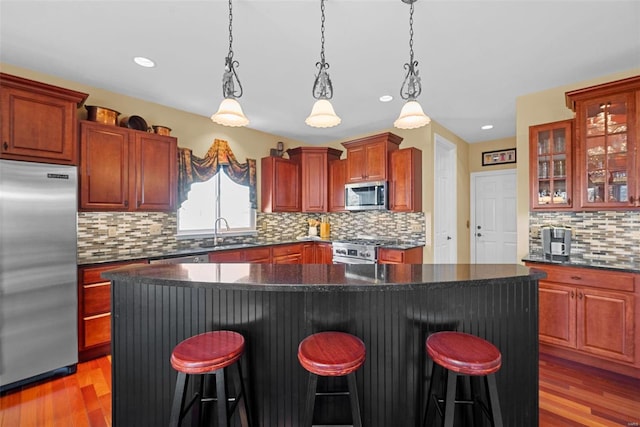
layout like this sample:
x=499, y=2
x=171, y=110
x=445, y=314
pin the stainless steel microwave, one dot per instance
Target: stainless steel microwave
x=364, y=196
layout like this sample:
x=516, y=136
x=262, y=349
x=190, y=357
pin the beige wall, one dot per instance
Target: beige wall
x=536, y=108
x=198, y=132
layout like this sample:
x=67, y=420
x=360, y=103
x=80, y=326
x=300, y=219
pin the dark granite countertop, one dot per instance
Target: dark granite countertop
x=154, y=255
x=633, y=267
x=320, y=277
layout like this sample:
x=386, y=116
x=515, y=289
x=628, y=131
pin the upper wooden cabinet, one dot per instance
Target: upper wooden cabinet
x=405, y=180
x=337, y=180
x=128, y=170
x=38, y=121
x=367, y=158
x=550, y=167
x=606, y=134
x=314, y=171
x=280, y=185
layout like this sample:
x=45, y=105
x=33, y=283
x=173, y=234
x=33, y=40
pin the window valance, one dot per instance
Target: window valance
x=219, y=156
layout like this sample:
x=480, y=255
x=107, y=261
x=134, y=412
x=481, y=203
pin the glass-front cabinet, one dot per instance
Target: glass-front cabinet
x=607, y=170
x=550, y=168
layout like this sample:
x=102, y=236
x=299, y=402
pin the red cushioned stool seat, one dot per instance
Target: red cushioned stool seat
x=464, y=354
x=332, y=354
x=209, y=354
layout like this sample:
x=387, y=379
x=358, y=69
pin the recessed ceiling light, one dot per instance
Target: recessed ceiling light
x=487, y=127
x=386, y=98
x=144, y=62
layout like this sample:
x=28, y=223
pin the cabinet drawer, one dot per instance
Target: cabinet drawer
x=257, y=254
x=589, y=277
x=97, y=298
x=92, y=275
x=390, y=256
x=283, y=250
x=97, y=329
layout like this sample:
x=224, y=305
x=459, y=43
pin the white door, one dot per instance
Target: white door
x=493, y=217
x=445, y=247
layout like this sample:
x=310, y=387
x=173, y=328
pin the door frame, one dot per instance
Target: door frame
x=451, y=207
x=474, y=178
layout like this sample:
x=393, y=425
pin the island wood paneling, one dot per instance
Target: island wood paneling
x=149, y=320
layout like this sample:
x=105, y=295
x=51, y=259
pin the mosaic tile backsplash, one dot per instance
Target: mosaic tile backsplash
x=119, y=235
x=605, y=236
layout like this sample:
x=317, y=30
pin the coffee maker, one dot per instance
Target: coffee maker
x=556, y=243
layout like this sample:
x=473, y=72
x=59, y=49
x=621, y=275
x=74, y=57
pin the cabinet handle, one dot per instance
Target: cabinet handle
x=580, y=295
x=5, y=145
x=572, y=294
x=576, y=277
x=126, y=203
x=631, y=198
x=569, y=200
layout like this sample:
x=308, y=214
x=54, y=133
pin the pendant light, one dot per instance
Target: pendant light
x=322, y=114
x=411, y=115
x=230, y=112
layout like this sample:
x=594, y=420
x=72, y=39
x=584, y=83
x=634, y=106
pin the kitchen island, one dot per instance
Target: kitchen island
x=391, y=308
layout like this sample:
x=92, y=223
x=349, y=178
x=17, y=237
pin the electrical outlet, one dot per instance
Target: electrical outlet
x=416, y=228
x=112, y=231
x=155, y=229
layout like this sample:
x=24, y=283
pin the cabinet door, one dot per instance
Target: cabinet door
x=405, y=180
x=257, y=255
x=550, y=166
x=337, y=180
x=280, y=186
x=324, y=253
x=156, y=166
x=356, y=164
x=314, y=181
x=104, y=167
x=309, y=253
x=400, y=256
x=376, y=161
x=606, y=324
x=38, y=121
x=557, y=314
x=606, y=165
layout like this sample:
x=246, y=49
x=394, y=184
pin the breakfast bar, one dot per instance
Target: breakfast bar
x=392, y=308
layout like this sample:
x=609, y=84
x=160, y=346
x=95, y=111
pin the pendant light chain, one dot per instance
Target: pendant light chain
x=322, y=32
x=230, y=77
x=411, y=33
x=322, y=86
x=411, y=87
x=230, y=30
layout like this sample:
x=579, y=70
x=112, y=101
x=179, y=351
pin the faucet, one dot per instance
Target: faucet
x=215, y=229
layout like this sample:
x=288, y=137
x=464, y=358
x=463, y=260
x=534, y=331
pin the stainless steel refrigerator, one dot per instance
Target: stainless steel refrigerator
x=38, y=279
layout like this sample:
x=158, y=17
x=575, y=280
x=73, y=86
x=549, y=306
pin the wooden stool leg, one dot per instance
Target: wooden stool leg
x=242, y=395
x=494, y=403
x=311, y=400
x=477, y=399
x=221, y=395
x=450, y=399
x=179, y=396
x=355, y=403
x=428, y=398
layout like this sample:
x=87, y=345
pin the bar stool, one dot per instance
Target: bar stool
x=209, y=353
x=464, y=354
x=332, y=354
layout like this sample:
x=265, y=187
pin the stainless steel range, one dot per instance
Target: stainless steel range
x=356, y=251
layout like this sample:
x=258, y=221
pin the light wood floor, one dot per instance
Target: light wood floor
x=570, y=395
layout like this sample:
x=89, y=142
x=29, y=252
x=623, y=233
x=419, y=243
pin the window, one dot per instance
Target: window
x=219, y=197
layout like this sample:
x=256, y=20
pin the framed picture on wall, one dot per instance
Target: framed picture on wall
x=498, y=157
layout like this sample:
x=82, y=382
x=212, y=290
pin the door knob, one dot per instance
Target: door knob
x=479, y=234
x=448, y=237
x=479, y=227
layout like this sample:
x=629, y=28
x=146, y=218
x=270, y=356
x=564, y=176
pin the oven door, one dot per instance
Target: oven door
x=338, y=259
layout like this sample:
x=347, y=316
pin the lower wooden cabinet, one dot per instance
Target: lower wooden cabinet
x=287, y=254
x=590, y=316
x=400, y=256
x=317, y=253
x=94, y=310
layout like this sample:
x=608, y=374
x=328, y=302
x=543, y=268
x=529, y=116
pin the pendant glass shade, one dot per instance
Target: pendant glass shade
x=411, y=116
x=230, y=114
x=322, y=115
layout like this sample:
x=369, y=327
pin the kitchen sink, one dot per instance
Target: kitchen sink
x=223, y=246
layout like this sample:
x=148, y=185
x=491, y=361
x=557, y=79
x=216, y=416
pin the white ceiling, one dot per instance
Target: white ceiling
x=475, y=57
